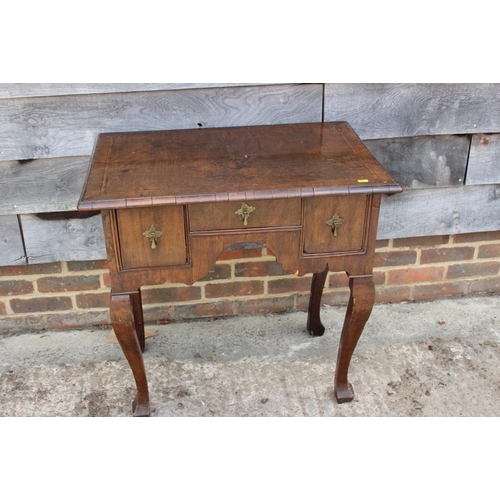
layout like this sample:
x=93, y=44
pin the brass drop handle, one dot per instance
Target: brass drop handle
x=244, y=212
x=153, y=235
x=335, y=222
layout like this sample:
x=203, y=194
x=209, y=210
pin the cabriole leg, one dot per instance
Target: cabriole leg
x=314, y=325
x=122, y=312
x=358, y=311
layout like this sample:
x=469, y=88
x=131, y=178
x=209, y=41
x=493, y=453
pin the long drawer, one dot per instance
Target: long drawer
x=243, y=215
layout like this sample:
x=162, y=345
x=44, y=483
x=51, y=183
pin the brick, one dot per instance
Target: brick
x=432, y=255
x=472, y=269
x=68, y=283
x=395, y=258
x=15, y=287
x=292, y=284
x=264, y=306
x=88, y=265
x=485, y=285
x=382, y=243
x=31, y=269
x=220, y=272
x=92, y=300
x=256, y=269
x=170, y=294
x=3, y=309
x=244, y=253
x=41, y=304
x=437, y=290
x=489, y=251
x=414, y=275
x=234, y=289
x=472, y=237
x=421, y=241
x=392, y=294
x=189, y=311
x=69, y=319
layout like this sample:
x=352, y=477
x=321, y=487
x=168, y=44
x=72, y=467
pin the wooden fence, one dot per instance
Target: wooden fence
x=440, y=141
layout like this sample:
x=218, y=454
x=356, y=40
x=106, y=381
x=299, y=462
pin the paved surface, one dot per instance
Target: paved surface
x=439, y=358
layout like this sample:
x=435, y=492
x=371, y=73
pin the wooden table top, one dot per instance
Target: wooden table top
x=140, y=169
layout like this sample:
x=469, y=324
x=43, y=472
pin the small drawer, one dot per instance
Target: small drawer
x=244, y=215
x=335, y=224
x=151, y=237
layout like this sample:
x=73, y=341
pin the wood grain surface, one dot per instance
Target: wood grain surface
x=423, y=162
x=231, y=164
x=63, y=240
x=384, y=110
x=45, y=127
x=46, y=185
x=425, y=212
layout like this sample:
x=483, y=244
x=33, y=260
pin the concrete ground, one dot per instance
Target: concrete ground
x=438, y=358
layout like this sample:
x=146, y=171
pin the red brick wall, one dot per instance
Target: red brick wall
x=69, y=294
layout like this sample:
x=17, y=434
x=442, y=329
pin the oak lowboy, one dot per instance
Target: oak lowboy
x=173, y=201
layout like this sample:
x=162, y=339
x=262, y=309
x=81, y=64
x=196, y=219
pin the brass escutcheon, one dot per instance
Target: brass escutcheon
x=244, y=212
x=152, y=234
x=335, y=222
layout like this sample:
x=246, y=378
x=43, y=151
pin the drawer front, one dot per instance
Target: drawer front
x=151, y=237
x=335, y=224
x=238, y=215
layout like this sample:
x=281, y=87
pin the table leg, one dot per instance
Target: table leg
x=138, y=318
x=358, y=311
x=314, y=325
x=123, y=315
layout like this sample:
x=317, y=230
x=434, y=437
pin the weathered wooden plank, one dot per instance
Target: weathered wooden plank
x=46, y=127
x=484, y=160
x=47, y=185
x=382, y=110
x=425, y=212
x=63, y=239
x=10, y=90
x=422, y=162
x=11, y=242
